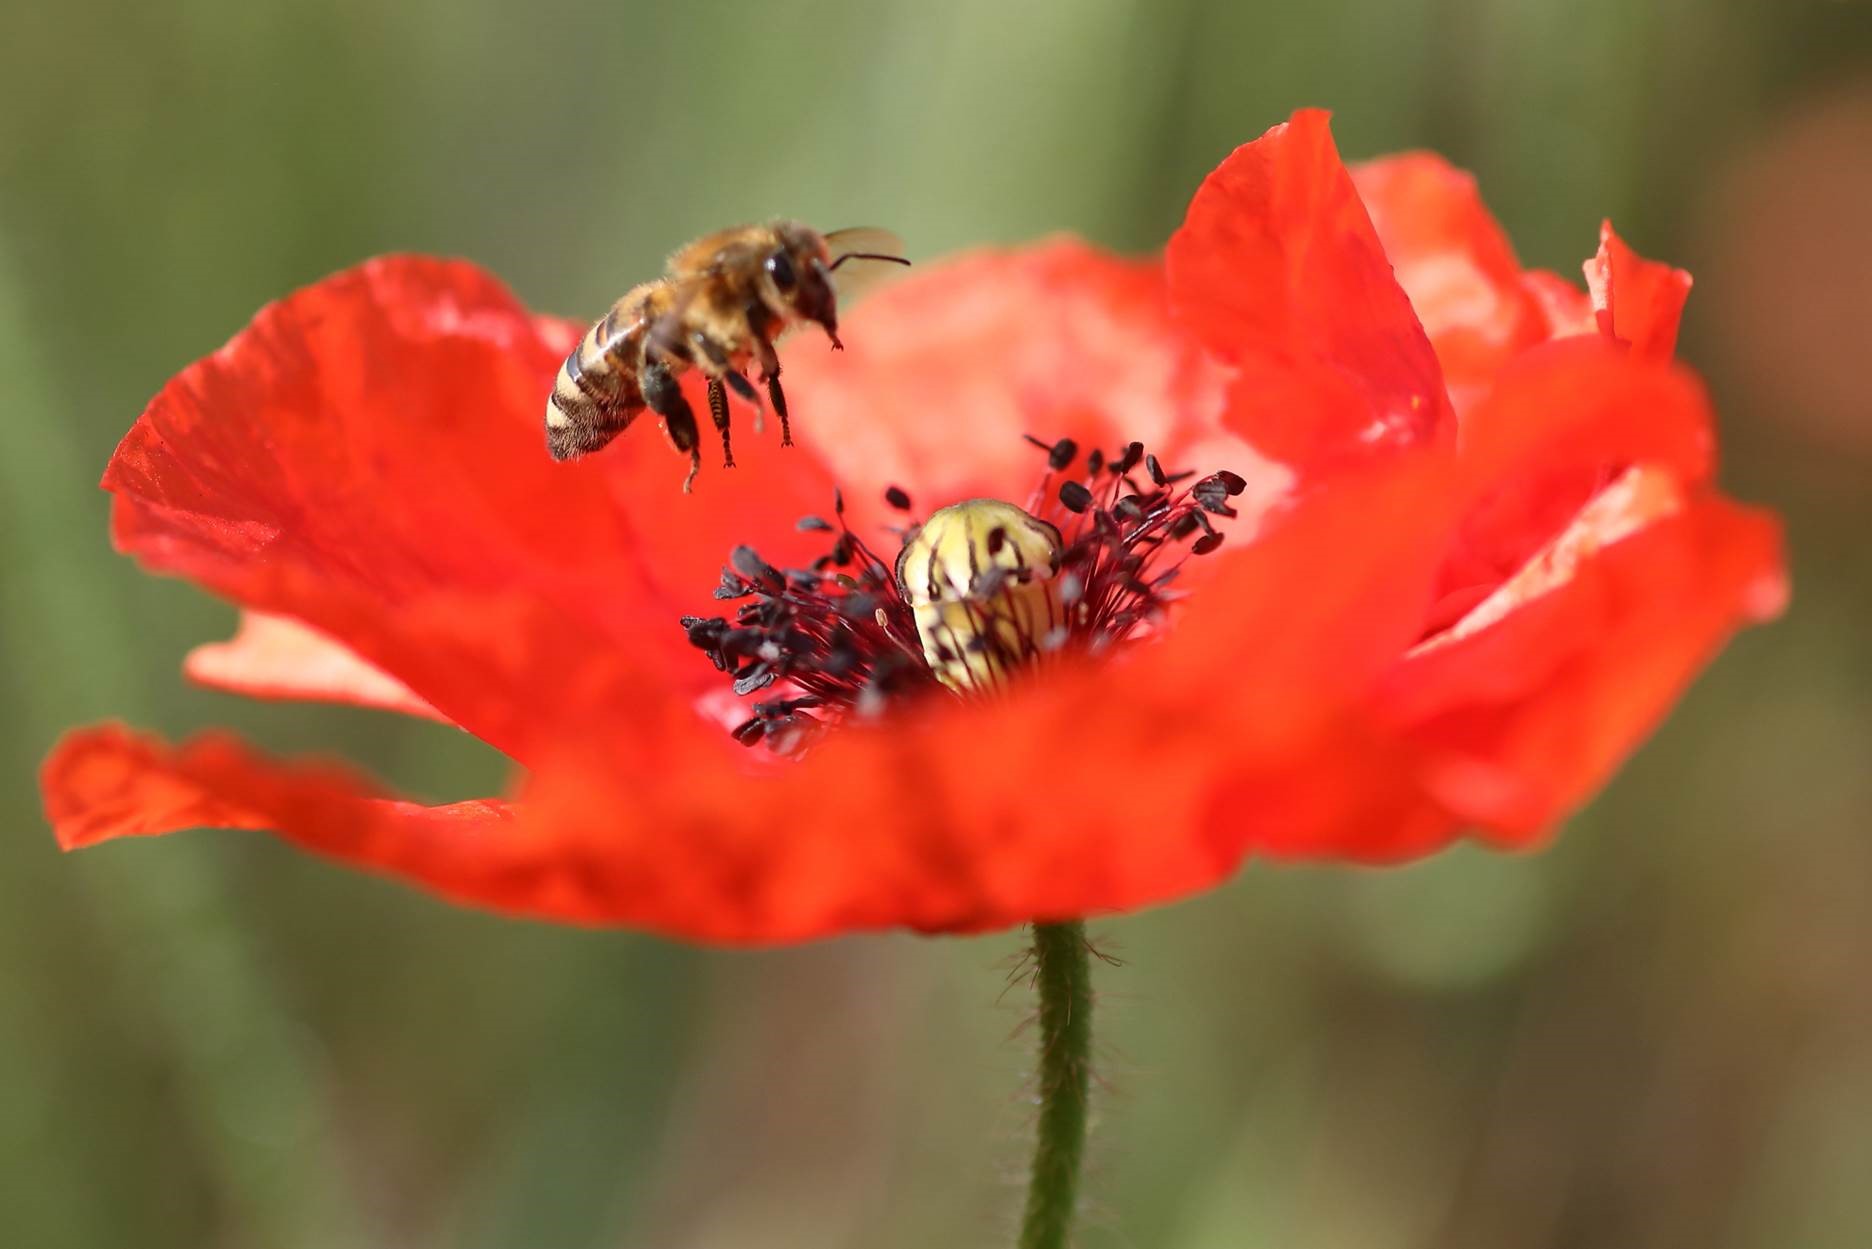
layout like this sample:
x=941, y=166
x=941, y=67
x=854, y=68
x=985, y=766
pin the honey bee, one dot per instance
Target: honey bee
x=721, y=303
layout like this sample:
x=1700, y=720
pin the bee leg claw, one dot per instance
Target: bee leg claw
x=695, y=466
x=718, y=413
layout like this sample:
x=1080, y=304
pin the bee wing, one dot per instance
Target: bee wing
x=864, y=239
x=862, y=257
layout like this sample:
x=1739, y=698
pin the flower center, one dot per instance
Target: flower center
x=980, y=578
x=980, y=592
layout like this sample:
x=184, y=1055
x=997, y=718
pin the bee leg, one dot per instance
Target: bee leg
x=739, y=383
x=718, y=412
x=717, y=363
x=686, y=433
x=665, y=398
x=708, y=350
x=779, y=405
x=770, y=373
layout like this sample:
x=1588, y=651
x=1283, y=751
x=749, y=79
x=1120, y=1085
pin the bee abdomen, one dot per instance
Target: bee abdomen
x=592, y=402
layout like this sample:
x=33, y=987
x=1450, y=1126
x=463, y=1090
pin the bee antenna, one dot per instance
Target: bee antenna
x=896, y=260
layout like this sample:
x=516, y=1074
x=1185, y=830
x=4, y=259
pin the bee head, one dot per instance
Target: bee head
x=799, y=278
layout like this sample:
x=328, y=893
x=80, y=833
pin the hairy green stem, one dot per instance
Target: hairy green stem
x=1063, y=979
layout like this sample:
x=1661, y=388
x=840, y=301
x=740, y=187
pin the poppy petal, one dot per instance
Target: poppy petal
x=277, y=657
x=1454, y=262
x=106, y=782
x=948, y=367
x=1564, y=420
x=1565, y=308
x=1525, y=710
x=1635, y=300
x=367, y=458
x=1277, y=269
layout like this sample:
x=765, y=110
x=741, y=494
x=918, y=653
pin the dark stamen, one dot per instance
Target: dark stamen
x=836, y=639
x=751, y=566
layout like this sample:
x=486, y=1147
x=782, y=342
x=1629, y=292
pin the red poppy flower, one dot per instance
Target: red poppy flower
x=1469, y=553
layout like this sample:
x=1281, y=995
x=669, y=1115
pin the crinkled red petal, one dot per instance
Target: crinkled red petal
x=367, y=458
x=1565, y=308
x=277, y=657
x=1374, y=789
x=106, y=782
x=1635, y=300
x=1455, y=264
x=1277, y=269
x=1564, y=420
x=1523, y=716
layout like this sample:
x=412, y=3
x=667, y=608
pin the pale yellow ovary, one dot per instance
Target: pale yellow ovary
x=980, y=578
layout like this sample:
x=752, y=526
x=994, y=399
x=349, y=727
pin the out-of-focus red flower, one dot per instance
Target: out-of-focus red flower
x=1480, y=554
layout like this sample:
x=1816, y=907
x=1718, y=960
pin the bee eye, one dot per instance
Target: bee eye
x=780, y=268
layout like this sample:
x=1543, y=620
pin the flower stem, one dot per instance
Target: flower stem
x=1063, y=978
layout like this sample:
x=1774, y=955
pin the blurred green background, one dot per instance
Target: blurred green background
x=1659, y=1033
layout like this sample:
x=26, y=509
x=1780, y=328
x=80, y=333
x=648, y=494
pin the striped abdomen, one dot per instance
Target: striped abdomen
x=596, y=396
